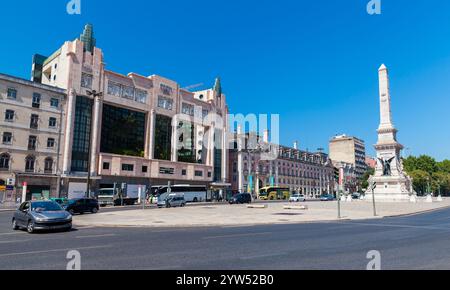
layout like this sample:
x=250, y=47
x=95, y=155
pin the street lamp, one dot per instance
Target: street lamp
x=95, y=95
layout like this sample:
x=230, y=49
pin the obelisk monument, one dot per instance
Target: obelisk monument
x=390, y=182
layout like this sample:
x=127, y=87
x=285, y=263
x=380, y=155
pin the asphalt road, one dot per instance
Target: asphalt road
x=414, y=242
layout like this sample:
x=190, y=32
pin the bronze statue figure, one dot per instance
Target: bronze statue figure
x=386, y=163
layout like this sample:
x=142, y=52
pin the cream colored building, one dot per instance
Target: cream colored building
x=349, y=150
x=32, y=122
x=131, y=132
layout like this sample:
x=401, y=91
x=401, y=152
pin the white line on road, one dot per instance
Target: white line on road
x=401, y=226
x=96, y=236
x=55, y=250
x=237, y=235
x=14, y=241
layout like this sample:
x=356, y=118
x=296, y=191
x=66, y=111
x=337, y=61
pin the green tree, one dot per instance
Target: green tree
x=441, y=182
x=427, y=164
x=420, y=180
x=444, y=166
x=365, y=178
x=410, y=164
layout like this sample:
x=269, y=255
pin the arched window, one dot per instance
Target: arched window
x=4, y=161
x=48, y=167
x=30, y=162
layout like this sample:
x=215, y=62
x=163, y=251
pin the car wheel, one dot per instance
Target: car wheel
x=15, y=227
x=94, y=210
x=30, y=227
x=195, y=199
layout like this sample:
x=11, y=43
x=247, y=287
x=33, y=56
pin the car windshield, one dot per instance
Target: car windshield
x=45, y=206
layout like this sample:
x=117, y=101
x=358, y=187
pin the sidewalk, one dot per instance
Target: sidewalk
x=240, y=215
x=8, y=206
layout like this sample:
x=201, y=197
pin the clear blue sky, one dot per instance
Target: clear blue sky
x=313, y=62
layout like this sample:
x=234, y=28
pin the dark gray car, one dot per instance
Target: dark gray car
x=41, y=215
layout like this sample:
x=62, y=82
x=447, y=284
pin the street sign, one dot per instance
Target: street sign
x=2, y=187
x=10, y=181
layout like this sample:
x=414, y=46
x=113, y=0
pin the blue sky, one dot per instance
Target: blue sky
x=313, y=62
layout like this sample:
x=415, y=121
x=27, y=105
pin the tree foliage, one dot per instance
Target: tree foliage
x=428, y=174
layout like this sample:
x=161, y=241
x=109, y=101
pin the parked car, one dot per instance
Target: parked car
x=175, y=201
x=241, y=198
x=327, y=197
x=60, y=201
x=297, y=197
x=41, y=215
x=356, y=195
x=82, y=205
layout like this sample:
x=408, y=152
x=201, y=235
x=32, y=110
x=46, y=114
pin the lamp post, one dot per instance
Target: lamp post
x=95, y=95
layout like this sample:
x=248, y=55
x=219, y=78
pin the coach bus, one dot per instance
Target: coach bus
x=191, y=193
x=274, y=193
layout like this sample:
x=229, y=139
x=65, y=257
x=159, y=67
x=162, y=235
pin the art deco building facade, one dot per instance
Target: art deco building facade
x=308, y=173
x=122, y=128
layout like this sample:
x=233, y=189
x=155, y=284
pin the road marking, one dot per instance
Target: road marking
x=9, y=234
x=14, y=241
x=401, y=226
x=55, y=250
x=96, y=236
x=238, y=235
x=263, y=256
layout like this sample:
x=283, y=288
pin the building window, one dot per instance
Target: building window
x=166, y=90
x=141, y=96
x=32, y=140
x=29, y=163
x=54, y=103
x=128, y=92
x=34, y=121
x=187, y=109
x=123, y=131
x=127, y=167
x=163, y=136
x=12, y=93
x=105, y=165
x=144, y=169
x=184, y=172
x=36, y=100
x=7, y=138
x=165, y=103
x=114, y=89
x=198, y=173
x=81, y=134
x=166, y=170
x=52, y=122
x=48, y=166
x=9, y=116
x=86, y=80
x=4, y=161
x=50, y=143
x=209, y=174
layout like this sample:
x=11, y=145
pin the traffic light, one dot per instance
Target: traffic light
x=336, y=174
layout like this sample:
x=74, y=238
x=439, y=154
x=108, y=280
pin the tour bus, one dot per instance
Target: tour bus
x=191, y=193
x=274, y=193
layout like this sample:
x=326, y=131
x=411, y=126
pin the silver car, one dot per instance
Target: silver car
x=41, y=215
x=175, y=201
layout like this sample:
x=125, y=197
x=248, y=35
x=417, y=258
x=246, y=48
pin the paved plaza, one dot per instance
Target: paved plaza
x=241, y=215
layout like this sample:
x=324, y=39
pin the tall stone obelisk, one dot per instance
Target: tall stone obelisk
x=392, y=183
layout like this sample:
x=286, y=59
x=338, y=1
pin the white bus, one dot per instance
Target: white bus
x=191, y=193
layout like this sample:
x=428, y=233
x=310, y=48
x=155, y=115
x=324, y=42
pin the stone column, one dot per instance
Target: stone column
x=68, y=132
x=96, y=131
x=174, y=143
x=151, y=122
